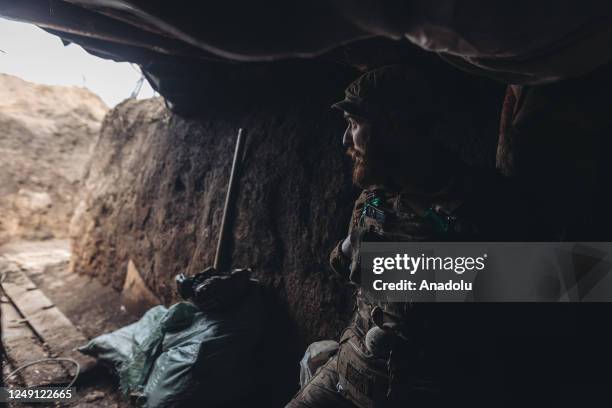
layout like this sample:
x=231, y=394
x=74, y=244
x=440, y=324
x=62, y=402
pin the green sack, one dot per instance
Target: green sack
x=117, y=347
x=170, y=353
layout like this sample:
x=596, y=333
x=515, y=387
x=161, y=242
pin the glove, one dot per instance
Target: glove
x=220, y=292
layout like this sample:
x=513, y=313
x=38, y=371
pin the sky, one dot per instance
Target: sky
x=34, y=55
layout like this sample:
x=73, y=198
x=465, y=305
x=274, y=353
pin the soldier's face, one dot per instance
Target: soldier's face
x=357, y=139
x=357, y=134
x=383, y=151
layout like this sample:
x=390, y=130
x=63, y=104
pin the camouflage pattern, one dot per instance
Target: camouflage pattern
x=321, y=391
x=389, y=356
x=398, y=373
x=363, y=375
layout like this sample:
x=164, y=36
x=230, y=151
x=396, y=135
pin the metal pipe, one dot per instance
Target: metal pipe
x=229, y=197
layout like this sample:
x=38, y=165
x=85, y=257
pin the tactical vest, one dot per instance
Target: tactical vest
x=381, y=361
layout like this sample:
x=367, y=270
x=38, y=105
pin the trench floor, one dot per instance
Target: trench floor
x=92, y=308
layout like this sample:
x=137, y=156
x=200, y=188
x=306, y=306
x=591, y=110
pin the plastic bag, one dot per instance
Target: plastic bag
x=174, y=352
x=315, y=356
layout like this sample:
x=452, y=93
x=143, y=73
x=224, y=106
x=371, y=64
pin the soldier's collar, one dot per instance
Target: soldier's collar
x=445, y=201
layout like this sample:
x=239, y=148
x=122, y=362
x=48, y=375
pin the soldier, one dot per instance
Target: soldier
x=413, y=190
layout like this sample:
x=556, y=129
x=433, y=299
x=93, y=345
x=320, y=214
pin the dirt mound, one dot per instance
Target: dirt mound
x=46, y=133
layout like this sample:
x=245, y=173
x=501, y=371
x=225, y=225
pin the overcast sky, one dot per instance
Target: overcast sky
x=37, y=56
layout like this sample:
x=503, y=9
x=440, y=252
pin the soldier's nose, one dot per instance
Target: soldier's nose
x=347, y=139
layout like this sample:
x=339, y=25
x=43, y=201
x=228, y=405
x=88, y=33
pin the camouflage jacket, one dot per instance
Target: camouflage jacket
x=475, y=206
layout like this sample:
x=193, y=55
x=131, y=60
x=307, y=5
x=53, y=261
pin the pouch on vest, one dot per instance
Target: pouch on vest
x=363, y=378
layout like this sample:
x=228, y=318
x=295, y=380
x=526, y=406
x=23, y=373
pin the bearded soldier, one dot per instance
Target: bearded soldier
x=393, y=354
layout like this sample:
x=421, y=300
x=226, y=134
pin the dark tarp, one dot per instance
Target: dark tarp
x=518, y=41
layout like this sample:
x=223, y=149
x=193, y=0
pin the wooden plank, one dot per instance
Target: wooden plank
x=136, y=296
x=48, y=322
x=23, y=346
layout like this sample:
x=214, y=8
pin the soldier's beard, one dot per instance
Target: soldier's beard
x=367, y=170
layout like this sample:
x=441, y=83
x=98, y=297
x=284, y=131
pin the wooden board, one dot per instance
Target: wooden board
x=48, y=322
x=23, y=346
x=136, y=296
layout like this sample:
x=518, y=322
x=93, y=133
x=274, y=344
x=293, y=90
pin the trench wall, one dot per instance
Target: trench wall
x=155, y=187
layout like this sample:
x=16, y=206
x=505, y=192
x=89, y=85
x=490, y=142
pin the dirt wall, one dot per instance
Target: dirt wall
x=155, y=189
x=46, y=133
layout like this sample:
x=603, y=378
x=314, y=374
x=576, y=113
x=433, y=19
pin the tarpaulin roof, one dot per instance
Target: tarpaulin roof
x=519, y=41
